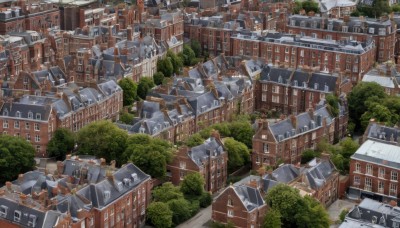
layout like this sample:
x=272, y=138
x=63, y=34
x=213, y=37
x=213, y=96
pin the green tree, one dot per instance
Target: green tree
x=272, y=219
x=126, y=117
x=102, y=139
x=16, y=157
x=287, y=201
x=223, y=129
x=188, y=56
x=129, y=88
x=196, y=47
x=313, y=214
x=359, y=97
x=176, y=61
x=165, y=66
x=242, y=131
x=61, y=143
x=238, y=154
x=145, y=84
x=396, y=8
x=310, y=5
x=378, y=112
x=181, y=210
x=149, y=154
x=194, y=140
x=205, y=199
x=308, y=155
x=159, y=214
x=333, y=104
x=348, y=147
x=158, y=78
x=193, y=184
x=167, y=192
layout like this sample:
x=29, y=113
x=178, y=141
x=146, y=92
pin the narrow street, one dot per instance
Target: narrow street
x=199, y=220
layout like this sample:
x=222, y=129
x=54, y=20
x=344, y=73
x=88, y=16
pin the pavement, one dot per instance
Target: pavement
x=199, y=220
x=337, y=207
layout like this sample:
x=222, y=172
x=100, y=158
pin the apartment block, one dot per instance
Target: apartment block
x=353, y=58
x=361, y=29
x=374, y=171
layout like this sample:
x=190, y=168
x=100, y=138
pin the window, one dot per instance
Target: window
x=393, y=176
x=265, y=148
x=329, y=37
x=107, y=195
x=355, y=68
x=275, y=99
x=345, y=28
x=393, y=189
x=32, y=220
x=264, y=97
x=37, y=127
x=105, y=216
x=3, y=211
x=17, y=216
x=38, y=116
x=16, y=124
x=30, y=115
x=5, y=123
x=356, y=180
x=37, y=138
x=381, y=187
x=230, y=213
x=230, y=202
x=381, y=173
x=182, y=165
x=368, y=184
x=27, y=126
x=28, y=137
x=18, y=114
x=369, y=169
x=264, y=87
x=5, y=112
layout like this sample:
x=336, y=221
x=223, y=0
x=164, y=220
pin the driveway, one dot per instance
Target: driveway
x=337, y=207
x=199, y=220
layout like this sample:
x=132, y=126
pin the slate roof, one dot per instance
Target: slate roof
x=382, y=133
x=378, y=153
x=250, y=197
x=384, y=81
x=283, y=174
x=200, y=154
x=319, y=173
x=371, y=213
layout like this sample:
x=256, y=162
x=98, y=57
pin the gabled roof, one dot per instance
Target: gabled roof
x=319, y=172
x=200, y=154
x=250, y=197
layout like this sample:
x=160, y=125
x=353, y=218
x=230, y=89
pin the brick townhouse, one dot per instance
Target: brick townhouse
x=167, y=29
x=374, y=170
x=36, y=117
x=290, y=91
x=319, y=179
x=285, y=140
x=109, y=197
x=382, y=31
x=209, y=159
x=242, y=205
x=24, y=15
x=353, y=58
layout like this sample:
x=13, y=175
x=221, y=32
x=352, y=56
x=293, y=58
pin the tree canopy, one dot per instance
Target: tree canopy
x=295, y=210
x=307, y=5
x=196, y=47
x=145, y=84
x=193, y=184
x=377, y=9
x=188, y=56
x=165, y=66
x=150, y=154
x=167, y=192
x=272, y=219
x=62, y=142
x=238, y=154
x=16, y=157
x=177, y=62
x=159, y=214
x=158, y=78
x=129, y=88
x=102, y=139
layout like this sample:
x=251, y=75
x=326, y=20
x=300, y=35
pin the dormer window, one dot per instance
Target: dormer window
x=3, y=211
x=345, y=28
x=18, y=114
x=30, y=115
x=5, y=112
x=302, y=24
x=38, y=116
x=107, y=195
x=330, y=27
x=32, y=220
x=371, y=30
x=315, y=86
x=17, y=216
x=215, y=102
x=293, y=22
x=141, y=130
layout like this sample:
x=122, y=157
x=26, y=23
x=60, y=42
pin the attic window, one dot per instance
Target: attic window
x=107, y=195
x=38, y=116
x=32, y=220
x=230, y=202
x=141, y=130
x=5, y=112
x=30, y=115
x=17, y=216
x=120, y=186
x=3, y=211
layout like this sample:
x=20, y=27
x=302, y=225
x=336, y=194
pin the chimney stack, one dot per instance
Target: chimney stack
x=22, y=198
x=311, y=112
x=102, y=161
x=20, y=178
x=293, y=119
x=8, y=185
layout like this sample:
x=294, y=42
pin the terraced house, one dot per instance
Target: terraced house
x=84, y=192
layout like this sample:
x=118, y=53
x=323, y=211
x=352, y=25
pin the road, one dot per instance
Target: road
x=199, y=220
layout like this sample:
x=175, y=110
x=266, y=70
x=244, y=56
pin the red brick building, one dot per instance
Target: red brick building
x=209, y=159
x=382, y=31
x=241, y=205
x=374, y=170
x=353, y=58
x=82, y=193
x=284, y=141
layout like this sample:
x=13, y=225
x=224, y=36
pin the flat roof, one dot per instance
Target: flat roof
x=379, y=153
